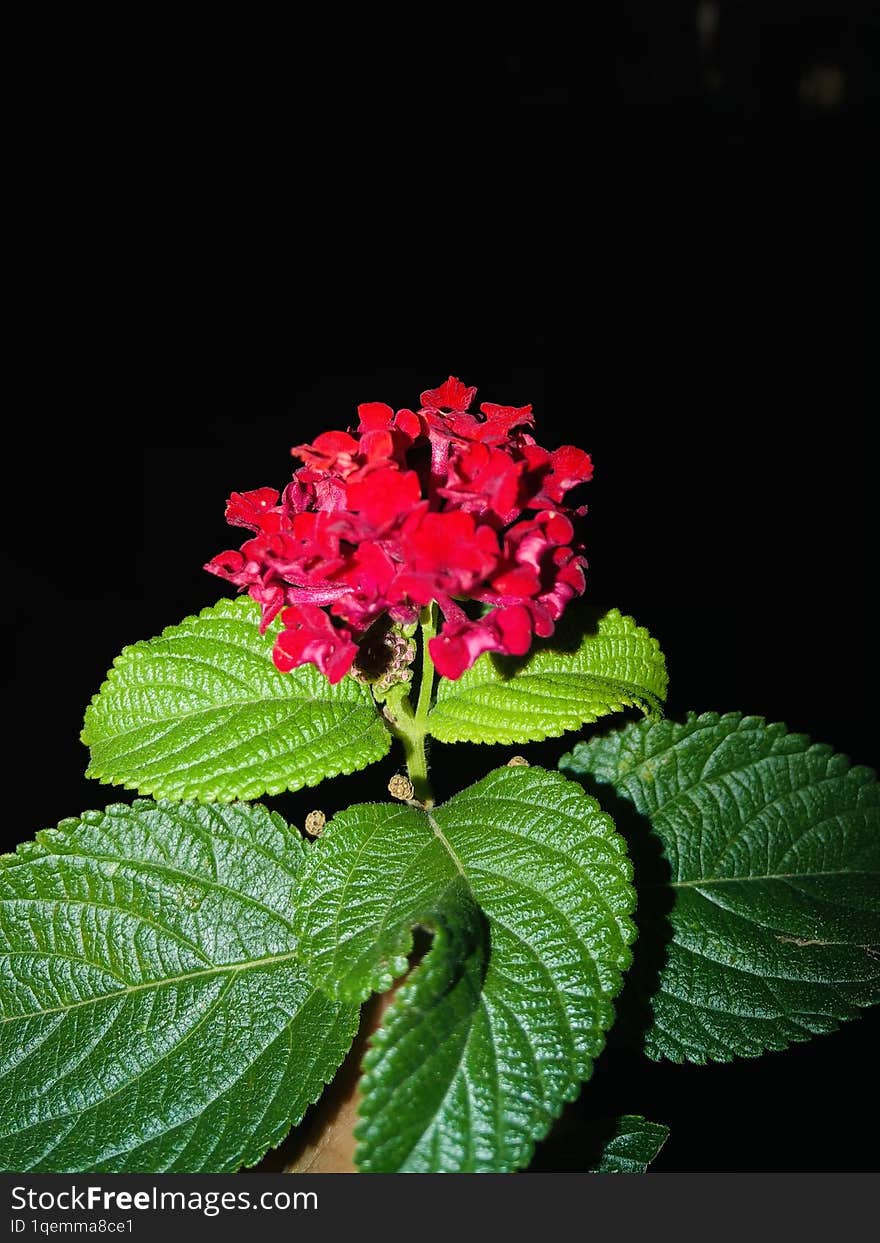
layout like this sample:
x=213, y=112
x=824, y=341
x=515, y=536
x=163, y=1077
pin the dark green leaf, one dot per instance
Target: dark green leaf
x=633, y=1146
x=153, y=1014
x=772, y=864
x=526, y=887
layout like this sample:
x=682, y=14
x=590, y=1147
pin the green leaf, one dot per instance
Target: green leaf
x=592, y=666
x=202, y=713
x=771, y=862
x=633, y=1146
x=153, y=1014
x=526, y=886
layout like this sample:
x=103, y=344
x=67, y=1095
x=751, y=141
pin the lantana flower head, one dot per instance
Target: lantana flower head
x=410, y=507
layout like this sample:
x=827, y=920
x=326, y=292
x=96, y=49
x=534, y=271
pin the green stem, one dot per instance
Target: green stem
x=426, y=690
x=417, y=767
x=412, y=727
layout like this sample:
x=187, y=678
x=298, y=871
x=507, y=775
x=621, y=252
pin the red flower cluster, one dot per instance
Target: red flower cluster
x=435, y=504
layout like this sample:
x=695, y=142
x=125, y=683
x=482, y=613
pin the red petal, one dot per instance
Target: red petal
x=309, y=637
x=326, y=449
x=249, y=509
x=384, y=495
x=559, y=529
x=460, y=644
x=520, y=582
x=410, y=424
x=501, y=420
x=225, y=564
x=515, y=630
x=451, y=395
x=335, y=442
x=377, y=446
x=375, y=415
x=571, y=466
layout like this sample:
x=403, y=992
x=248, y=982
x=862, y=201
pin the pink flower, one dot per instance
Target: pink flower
x=439, y=505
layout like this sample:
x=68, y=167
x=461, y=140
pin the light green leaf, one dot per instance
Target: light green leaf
x=633, y=1146
x=526, y=886
x=770, y=880
x=202, y=713
x=593, y=665
x=153, y=1014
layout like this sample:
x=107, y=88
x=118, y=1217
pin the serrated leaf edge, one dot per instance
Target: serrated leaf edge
x=862, y=774
x=641, y=1118
x=649, y=704
x=702, y=720
x=28, y=851
x=404, y=998
x=156, y=791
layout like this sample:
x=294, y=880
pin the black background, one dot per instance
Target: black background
x=228, y=239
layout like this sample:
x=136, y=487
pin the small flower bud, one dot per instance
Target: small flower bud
x=315, y=822
x=400, y=787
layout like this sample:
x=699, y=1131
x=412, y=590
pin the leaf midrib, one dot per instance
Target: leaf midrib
x=236, y=968
x=744, y=880
x=331, y=704
x=447, y=845
x=461, y=1065
x=140, y=866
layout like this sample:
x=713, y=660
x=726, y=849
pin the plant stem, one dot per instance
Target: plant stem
x=417, y=767
x=417, y=761
x=411, y=727
x=426, y=690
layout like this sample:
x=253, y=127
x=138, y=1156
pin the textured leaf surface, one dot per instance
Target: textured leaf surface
x=526, y=886
x=153, y=1015
x=592, y=666
x=202, y=713
x=772, y=850
x=636, y=1142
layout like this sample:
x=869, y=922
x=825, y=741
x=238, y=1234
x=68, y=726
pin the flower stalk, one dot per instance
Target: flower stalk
x=411, y=725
